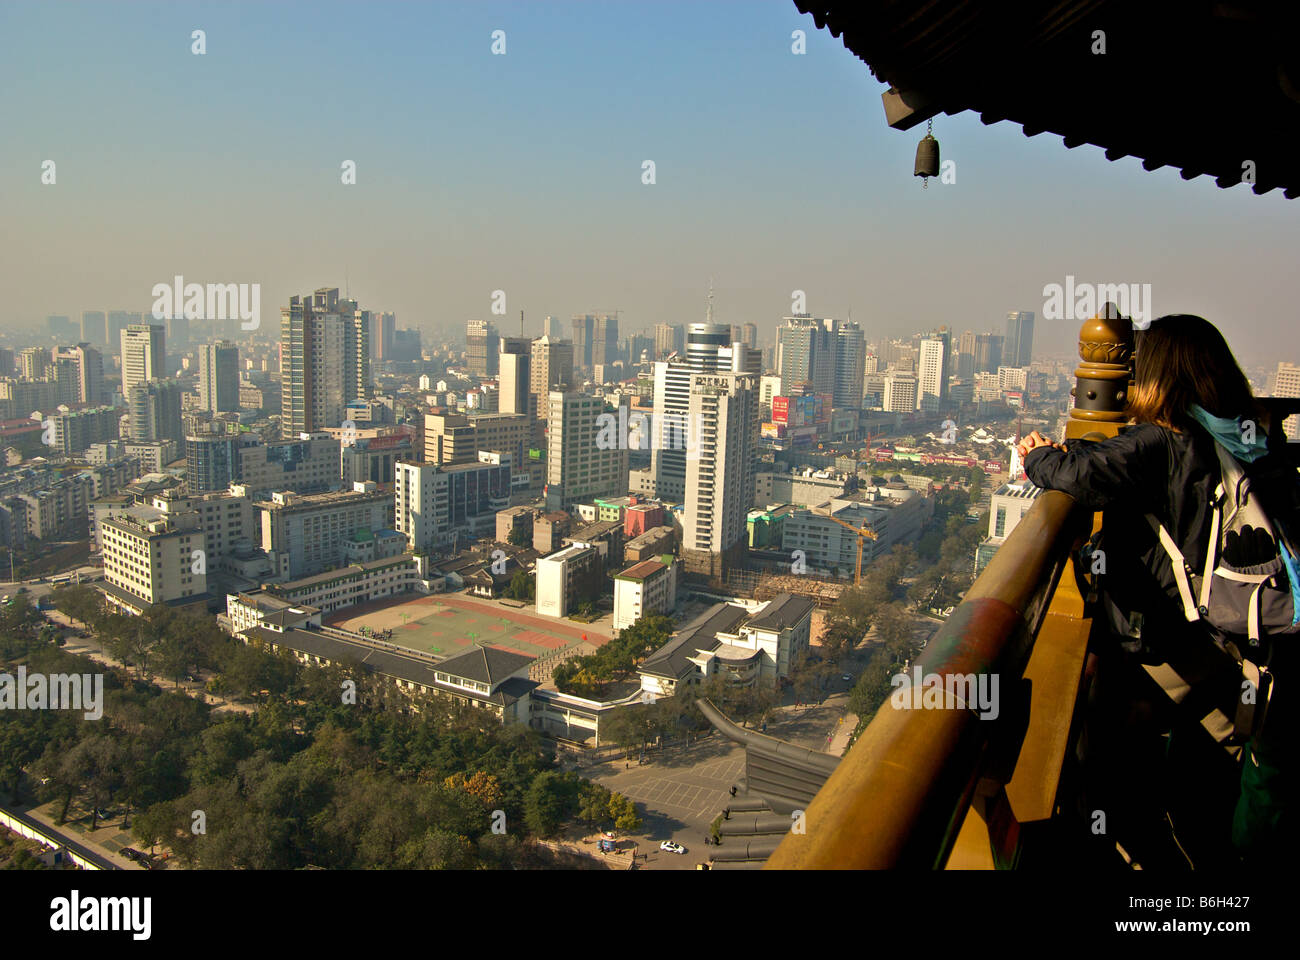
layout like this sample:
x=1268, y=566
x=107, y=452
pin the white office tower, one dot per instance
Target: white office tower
x=900, y=393
x=1286, y=383
x=143, y=355
x=931, y=382
x=708, y=349
x=515, y=377
x=219, y=376
x=586, y=451
x=722, y=411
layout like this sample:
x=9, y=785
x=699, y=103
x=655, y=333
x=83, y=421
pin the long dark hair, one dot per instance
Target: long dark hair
x=1183, y=359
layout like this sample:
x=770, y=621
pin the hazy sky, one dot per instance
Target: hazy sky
x=523, y=172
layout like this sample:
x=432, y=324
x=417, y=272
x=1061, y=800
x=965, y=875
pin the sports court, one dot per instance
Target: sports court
x=448, y=624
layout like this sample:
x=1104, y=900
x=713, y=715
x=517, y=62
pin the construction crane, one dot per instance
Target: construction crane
x=864, y=455
x=863, y=533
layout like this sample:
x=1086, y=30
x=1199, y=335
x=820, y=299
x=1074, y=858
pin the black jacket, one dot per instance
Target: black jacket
x=1171, y=475
x=1144, y=469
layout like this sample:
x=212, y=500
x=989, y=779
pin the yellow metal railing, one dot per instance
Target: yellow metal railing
x=902, y=795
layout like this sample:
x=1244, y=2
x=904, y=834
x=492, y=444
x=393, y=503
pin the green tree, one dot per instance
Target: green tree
x=521, y=587
x=623, y=810
x=549, y=801
x=594, y=803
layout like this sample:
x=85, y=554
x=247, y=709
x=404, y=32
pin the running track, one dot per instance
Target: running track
x=482, y=607
x=523, y=619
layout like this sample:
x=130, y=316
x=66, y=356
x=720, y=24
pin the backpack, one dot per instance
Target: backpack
x=1248, y=586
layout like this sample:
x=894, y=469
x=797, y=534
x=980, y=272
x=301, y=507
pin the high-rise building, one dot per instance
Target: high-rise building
x=150, y=559
x=82, y=368
x=75, y=431
x=406, y=345
x=515, y=376
x=553, y=328
x=850, y=355
x=669, y=338
x=806, y=353
x=966, y=356
x=154, y=411
x=324, y=360
x=304, y=534
x=434, y=502
x=749, y=335
x=708, y=350
x=595, y=339
x=551, y=367
x=212, y=460
x=62, y=328
x=481, y=347
x=900, y=393
x=932, y=373
x=33, y=363
x=604, y=344
x=117, y=321
x=723, y=414
x=94, y=329
x=219, y=376
x=1286, y=383
x=583, y=460
x=1019, y=347
x=382, y=326
x=144, y=357
x=988, y=352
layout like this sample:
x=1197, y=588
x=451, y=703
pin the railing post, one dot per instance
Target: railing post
x=1104, y=376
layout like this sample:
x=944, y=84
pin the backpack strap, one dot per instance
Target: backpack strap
x=1216, y=516
x=1180, y=566
x=1258, y=681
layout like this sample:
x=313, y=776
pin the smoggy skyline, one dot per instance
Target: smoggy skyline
x=523, y=172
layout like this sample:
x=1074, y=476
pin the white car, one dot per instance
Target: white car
x=669, y=847
x=847, y=678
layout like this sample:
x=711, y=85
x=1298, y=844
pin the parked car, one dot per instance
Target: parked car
x=133, y=854
x=847, y=678
x=669, y=847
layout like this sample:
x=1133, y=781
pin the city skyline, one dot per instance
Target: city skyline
x=497, y=189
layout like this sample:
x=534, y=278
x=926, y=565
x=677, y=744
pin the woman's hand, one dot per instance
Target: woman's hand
x=1033, y=442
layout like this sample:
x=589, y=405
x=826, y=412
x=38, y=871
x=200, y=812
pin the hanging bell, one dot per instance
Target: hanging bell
x=927, y=157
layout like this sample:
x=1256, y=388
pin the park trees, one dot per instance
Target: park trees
x=615, y=661
x=551, y=798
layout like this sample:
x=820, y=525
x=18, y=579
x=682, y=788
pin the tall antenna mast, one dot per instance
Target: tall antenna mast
x=521, y=324
x=709, y=312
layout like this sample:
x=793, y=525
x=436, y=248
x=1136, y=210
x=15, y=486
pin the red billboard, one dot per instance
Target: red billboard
x=780, y=409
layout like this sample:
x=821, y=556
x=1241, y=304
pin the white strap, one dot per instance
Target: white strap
x=1241, y=577
x=1252, y=616
x=1180, y=568
x=1209, y=554
x=1251, y=673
